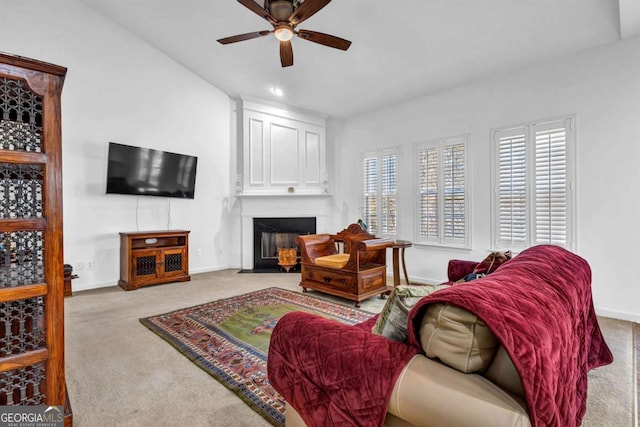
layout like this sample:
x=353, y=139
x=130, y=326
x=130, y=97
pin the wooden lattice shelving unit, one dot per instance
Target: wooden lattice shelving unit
x=32, y=369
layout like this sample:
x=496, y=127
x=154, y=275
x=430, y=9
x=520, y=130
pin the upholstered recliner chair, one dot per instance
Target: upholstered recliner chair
x=512, y=348
x=350, y=264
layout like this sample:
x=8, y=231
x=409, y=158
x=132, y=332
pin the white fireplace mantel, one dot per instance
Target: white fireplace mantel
x=280, y=194
x=281, y=167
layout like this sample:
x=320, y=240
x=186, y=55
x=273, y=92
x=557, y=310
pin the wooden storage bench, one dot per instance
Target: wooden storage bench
x=363, y=275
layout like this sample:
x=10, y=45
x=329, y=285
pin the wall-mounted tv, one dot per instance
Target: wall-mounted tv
x=148, y=172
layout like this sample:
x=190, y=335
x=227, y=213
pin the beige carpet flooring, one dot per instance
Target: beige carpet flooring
x=121, y=374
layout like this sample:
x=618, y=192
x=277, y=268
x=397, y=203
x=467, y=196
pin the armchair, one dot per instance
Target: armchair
x=531, y=324
x=356, y=273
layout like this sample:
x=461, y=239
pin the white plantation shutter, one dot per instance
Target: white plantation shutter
x=551, y=184
x=389, y=208
x=533, y=175
x=428, y=226
x=454, y=193
x=370, y=209
x=380, y=205
x=512, y=190
x=442, y=192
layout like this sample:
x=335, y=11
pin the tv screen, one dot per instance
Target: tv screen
x=148, y=172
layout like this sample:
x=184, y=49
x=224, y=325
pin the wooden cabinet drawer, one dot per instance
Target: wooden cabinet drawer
x=373, y=279
x=330, y=279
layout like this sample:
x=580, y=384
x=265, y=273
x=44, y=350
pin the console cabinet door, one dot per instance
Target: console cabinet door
x=174, y=262
x=146, y=266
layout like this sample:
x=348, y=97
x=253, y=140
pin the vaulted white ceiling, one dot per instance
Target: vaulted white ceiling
x=401, y=49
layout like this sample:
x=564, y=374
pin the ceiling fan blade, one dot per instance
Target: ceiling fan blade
x=306, y=10
x=324, y=39
x=255, y=8
x=286, y=53
x=242, y=37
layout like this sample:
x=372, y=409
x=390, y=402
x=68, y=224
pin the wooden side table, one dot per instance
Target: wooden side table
x=68, y=275
x=398, y=249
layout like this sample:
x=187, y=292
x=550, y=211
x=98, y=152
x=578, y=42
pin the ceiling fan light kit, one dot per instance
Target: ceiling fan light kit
x=283, y=33
x=284, y=16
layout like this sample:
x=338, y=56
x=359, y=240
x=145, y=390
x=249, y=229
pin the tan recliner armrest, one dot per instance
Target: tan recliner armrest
x=429, y=393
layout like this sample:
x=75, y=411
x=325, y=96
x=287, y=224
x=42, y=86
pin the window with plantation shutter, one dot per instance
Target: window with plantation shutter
x=533, y=199
x=454, y=190
x=389, y=209
x=370, y=208
x=380, y=201
x=512, y=189
x=429, y=224
x=442, y=199
x=551, y=185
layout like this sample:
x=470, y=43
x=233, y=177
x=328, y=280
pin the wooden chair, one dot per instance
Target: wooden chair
x=350, y=264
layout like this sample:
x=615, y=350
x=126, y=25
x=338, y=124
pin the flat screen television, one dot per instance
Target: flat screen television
x=148, y=172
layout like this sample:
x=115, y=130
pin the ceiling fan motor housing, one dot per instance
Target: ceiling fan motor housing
x=281, y=9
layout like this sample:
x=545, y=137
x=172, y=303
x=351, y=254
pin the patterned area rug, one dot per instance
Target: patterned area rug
x=229, y=339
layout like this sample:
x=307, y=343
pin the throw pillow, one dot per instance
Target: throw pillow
x=392, y=321
x=457, y=337
x=492, y=262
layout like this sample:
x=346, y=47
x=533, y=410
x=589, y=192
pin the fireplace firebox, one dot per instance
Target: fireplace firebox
x=272, y=234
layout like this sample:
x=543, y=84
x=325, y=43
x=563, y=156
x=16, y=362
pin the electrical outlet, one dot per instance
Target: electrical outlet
x=89, y=265
x=199, y=251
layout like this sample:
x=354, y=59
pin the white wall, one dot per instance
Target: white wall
x=120, y=89
x=601, y=86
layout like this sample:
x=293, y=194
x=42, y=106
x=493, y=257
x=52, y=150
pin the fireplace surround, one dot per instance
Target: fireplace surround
x=292, y=206
x=271, y=234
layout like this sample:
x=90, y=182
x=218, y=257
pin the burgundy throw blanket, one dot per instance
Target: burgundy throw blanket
x=539, y=306
x=334, y=374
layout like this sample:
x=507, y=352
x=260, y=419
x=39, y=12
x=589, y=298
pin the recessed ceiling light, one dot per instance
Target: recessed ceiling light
x=277, y=91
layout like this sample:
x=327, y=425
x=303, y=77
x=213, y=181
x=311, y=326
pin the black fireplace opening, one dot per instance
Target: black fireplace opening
x=272, y=234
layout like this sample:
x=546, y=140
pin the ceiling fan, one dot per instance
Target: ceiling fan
x=285, y=16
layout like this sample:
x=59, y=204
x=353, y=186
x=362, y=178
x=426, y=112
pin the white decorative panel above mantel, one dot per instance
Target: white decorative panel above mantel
x=284, y=150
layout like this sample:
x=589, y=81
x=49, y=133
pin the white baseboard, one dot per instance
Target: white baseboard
x=620, y=315
x=208, y=269
x=424, y=280
x=97, y=285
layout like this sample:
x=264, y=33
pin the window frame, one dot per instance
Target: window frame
x=440, y=145
x=379, y=155
x=530, y=130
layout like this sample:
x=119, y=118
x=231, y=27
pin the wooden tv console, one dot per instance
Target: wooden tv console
x=152, y=257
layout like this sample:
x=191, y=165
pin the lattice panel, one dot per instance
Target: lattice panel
x=145, y=265
x=172, y=262
x=23, y=386
x=21, y=258
x=21, y=191
x=20, y=117
x=21, y=326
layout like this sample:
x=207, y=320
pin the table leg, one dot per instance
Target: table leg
x=404, y=268
x=396, y=267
